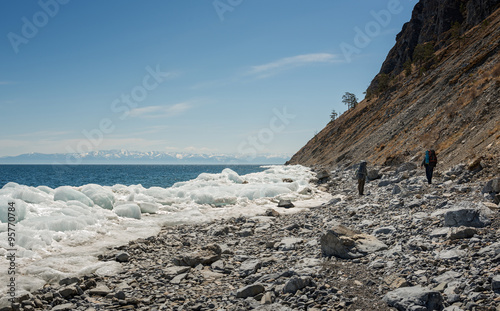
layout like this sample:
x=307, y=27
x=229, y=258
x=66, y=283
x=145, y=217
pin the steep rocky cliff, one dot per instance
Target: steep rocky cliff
x=436, y=22
x=446, y=98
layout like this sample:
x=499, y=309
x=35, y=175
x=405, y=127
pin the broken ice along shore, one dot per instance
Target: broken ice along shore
x=60, y=231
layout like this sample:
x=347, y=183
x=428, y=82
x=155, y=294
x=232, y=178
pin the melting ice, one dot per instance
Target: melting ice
x=60, y=231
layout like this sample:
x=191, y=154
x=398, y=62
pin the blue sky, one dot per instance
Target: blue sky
x=224, y=76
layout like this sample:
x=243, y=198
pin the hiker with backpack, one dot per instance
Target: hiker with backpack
x=430, y=161
x=361, y=174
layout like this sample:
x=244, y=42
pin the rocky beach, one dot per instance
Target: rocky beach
x=404, y=245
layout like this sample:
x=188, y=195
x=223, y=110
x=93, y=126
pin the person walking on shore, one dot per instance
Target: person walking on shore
x=430, y=161
x=361, y=174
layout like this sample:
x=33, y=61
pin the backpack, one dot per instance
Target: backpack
x=432, y=157
x=361, y=172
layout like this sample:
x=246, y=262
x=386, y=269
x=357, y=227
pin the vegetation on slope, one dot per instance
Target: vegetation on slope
x=447, y=100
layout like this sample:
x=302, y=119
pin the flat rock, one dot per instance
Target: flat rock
x=68, y=291
x=440, y=232
x=210, y=276
x=193, y=259
x=249, y=267
x=64, y=307
x=447, y=277
x=347, y=244
x=100, y=290
x=395, y=282
x=171, y=272
x=178, y=278
x=491, y=206
x=451, y=254
x=384, y=230
x=289, y=243
x=250, y=291
x=461, y=233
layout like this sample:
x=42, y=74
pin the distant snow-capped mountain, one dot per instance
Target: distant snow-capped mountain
x=137, y=157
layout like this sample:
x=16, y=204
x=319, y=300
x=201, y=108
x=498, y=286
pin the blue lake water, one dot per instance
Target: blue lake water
x=108, y=175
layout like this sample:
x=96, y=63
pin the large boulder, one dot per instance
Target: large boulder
x=466, y=214
x=344, y=243
x=414, y=298
x=373, y=174
x=492, y=186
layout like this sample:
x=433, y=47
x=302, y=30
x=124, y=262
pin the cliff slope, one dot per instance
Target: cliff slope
x=445, y=96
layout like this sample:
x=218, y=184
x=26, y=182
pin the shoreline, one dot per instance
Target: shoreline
x=275, y=262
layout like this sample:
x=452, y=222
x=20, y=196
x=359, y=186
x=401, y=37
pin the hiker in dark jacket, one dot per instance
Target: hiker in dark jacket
x=361, y=174
x=430, y=161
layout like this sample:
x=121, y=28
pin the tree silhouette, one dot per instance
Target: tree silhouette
x=334, y=115
x=350, y=100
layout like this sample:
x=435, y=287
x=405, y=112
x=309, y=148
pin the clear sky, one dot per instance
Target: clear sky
x=224, y=76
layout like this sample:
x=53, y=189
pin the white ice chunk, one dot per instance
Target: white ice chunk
x=66, y=193
x=10, y=185
x=30, y=195
x=147, y=207
x=227, y=176
x=99, y=195
x=129, y=210
x=232, y=176
x=46, y=189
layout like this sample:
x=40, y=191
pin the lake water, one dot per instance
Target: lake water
x=108, y=175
